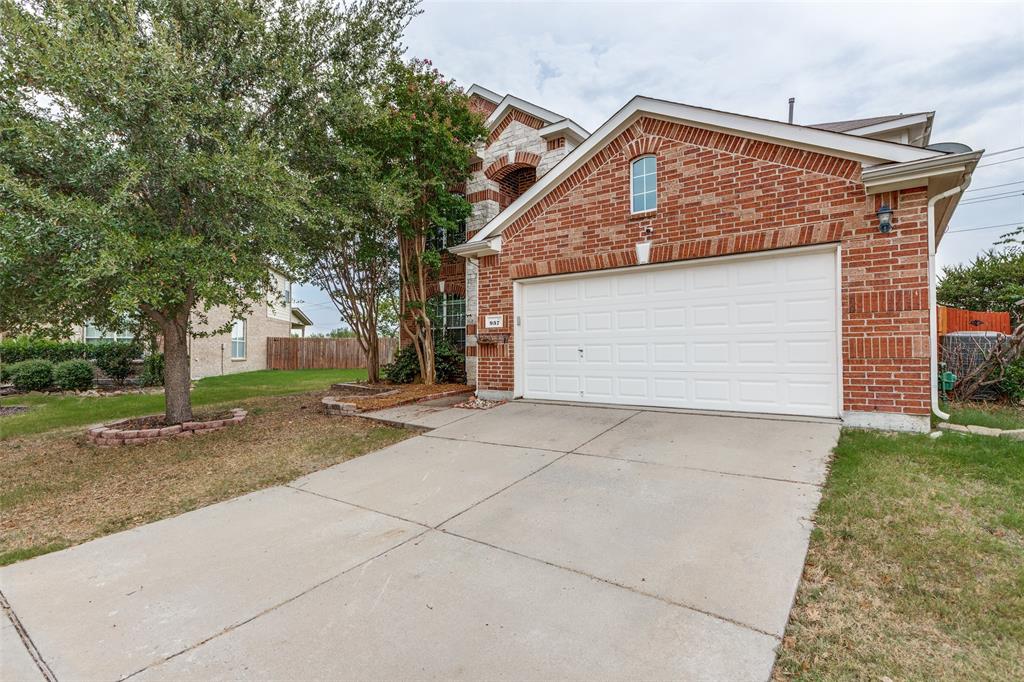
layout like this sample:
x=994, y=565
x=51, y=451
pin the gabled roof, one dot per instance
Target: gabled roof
x=856, y=123
x=300, y=318
x=915, y=129
x=868, y=151
x=507, y=102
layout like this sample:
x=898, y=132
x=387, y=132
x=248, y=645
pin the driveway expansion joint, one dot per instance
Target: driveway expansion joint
x=818, y=486
x=650, y=595
x=26, y=639
x=270, y=609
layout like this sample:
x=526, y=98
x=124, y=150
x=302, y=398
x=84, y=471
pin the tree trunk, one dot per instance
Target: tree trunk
x=373, y=356
x=177, y=371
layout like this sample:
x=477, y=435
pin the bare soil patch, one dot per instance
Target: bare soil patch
x=58, y=490
x=6, y=410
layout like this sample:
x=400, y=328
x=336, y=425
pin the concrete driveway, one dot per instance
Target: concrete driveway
x=530, y=541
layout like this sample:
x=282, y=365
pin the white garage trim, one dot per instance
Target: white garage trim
x=649, y=386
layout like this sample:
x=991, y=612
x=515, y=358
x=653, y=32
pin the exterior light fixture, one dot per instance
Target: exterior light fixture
x=643, y=253
x=884, y=219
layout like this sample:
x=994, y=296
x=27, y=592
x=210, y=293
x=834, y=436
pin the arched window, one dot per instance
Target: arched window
x=448, y=312
x=644, y=184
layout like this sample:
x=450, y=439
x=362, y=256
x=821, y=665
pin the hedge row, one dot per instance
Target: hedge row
x=27, y=348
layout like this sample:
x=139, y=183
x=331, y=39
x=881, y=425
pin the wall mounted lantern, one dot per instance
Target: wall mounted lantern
x=884, y=219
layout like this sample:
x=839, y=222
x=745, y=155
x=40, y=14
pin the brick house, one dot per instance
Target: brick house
x=692, y=258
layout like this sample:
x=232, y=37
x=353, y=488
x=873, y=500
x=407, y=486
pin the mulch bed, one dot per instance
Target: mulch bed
x=159, y=421
x=404, y=395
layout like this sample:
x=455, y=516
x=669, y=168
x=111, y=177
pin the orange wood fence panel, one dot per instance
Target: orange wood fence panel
x=957, y=320
x=285, y=352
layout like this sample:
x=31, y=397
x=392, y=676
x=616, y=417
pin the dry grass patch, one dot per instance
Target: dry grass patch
x=58, y=490
x=916, y=566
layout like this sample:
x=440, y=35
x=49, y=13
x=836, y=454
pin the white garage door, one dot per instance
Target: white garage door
x=740, y=334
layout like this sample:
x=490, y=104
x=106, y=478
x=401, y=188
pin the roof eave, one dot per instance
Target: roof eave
x=478, y=249
x=898, y=176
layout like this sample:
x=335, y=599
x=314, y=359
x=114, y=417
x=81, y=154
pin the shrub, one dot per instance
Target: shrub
x=73, y=375
x=29, y=348
x=115, y=358
x=7, y=370
x=404, y=369
x=33, y=375
x=449, y=364
x=1012, y=385
x=153, y=370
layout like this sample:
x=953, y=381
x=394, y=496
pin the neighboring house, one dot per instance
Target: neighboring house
x=241, y=349
x=692, y=258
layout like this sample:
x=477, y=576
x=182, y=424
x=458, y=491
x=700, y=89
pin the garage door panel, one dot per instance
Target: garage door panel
x=749, y=335
x=669, y=317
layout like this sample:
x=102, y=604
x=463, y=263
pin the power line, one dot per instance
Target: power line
x=993, y=197
x=996, y=163
x=986, y=227
x=1003, y=151
x=1005, y=184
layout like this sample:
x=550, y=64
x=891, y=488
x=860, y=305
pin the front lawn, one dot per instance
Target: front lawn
x=916, y=564
x=54, y=411
x=56, y=490
x=986, y=414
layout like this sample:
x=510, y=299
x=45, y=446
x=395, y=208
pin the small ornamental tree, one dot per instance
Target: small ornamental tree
x=431, y=134
x=144, y=165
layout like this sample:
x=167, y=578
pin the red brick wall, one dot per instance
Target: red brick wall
x=721, y=194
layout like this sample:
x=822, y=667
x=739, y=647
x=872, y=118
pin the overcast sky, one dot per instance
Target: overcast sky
x=584, y=60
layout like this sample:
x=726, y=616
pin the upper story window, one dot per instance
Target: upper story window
x=440, y=239
x=644, y=184
x=238, y=340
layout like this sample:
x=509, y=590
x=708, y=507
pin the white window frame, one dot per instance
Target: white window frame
x=104, y=335
x=632, y=182
x=236, y=339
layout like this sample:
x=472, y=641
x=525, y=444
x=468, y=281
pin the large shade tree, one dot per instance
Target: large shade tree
x=144, y=156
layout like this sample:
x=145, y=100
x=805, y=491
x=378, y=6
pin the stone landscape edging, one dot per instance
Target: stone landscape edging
x=108, y=435
x=334, y=406
x=1017, y=434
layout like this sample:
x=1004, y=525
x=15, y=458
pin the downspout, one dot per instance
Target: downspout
x=933, y=328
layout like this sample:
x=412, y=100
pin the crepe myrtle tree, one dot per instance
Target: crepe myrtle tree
x=142, y=159
x=431, y=134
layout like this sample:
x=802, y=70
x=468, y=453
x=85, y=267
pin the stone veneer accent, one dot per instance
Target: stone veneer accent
x=109, y=435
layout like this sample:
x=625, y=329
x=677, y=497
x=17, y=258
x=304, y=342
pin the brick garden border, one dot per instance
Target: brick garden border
x=333, y=406
x=109, y=435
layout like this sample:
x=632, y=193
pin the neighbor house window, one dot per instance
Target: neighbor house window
x=94, y=334
x=448, y=312
x=238, y=340
x=644, y=184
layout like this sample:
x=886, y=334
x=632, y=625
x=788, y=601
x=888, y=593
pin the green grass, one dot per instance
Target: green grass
x=916, y=564
x=54, y=412
x=986, y=414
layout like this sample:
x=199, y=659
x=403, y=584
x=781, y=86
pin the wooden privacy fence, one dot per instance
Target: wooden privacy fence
x=957, y=320
x=284, y=352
